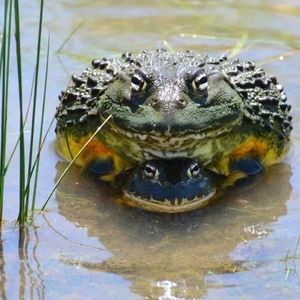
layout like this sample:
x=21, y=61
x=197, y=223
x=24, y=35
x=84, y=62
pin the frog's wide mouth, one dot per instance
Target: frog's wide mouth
x=168, y=139
x=205, y=124
x=158, y=136
x=143, y=146
x=138, y=146
x=177, y=205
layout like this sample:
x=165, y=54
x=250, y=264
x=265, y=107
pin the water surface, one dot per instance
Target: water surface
x=86, y=245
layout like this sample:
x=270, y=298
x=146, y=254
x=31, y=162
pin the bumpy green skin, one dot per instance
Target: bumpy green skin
x=167, y=105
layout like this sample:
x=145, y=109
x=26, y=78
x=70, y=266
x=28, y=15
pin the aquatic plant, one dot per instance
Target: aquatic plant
x=28, y=151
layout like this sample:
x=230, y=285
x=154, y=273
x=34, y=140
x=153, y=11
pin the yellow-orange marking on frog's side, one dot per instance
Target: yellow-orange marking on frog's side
x=67, y=147
x=251, y=145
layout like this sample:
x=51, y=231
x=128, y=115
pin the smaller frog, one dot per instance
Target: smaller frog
x=169, y=186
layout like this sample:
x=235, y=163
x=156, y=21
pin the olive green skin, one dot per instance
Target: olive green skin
x=168, y=105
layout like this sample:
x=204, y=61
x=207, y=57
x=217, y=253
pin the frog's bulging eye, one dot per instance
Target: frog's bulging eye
x=151, y=171
x=193, y=170
x=200, y=82
x=138, y=81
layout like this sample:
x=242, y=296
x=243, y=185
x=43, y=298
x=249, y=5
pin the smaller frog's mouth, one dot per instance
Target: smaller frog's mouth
x=168, y=206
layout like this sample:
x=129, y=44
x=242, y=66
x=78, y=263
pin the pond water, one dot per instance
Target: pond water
x=87, y=246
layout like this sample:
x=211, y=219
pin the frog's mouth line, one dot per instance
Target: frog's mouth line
x=167, y=206
x=166, y=136
x=170, y=139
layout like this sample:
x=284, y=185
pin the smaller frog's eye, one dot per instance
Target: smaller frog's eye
x=199, y=82
x=138, y=81
x=194, y=170
x=151, y=171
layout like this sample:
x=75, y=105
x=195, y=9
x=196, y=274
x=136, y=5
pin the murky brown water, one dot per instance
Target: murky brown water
x=85, y=245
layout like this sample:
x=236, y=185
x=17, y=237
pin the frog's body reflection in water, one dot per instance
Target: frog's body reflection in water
x=165, y=254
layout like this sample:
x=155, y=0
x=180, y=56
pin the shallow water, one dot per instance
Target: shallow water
x=85, y=245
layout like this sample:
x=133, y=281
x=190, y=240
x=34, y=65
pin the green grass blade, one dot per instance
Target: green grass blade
x=33, y=119
x=28, y=160
x=22, y=178
x=41, y=141
x=18, y=140
x=30, y=168
x=70, y=35
x=4, y=75
x=4, y=67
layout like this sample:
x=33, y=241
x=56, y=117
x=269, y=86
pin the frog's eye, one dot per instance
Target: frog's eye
x=138, y=81
x=151, y=171
x=193, y=170
x=199, y=82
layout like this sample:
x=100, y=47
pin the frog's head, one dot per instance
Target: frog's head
x=160, y=92
x=169, y=186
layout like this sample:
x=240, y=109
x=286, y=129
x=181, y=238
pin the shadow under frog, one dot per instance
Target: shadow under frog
x=167, y=255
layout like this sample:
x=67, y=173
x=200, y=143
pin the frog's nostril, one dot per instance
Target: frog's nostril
x=181, y=103
x=156, y=103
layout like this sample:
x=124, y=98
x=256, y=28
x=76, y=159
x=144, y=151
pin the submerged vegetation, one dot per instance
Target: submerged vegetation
x=27, y=151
